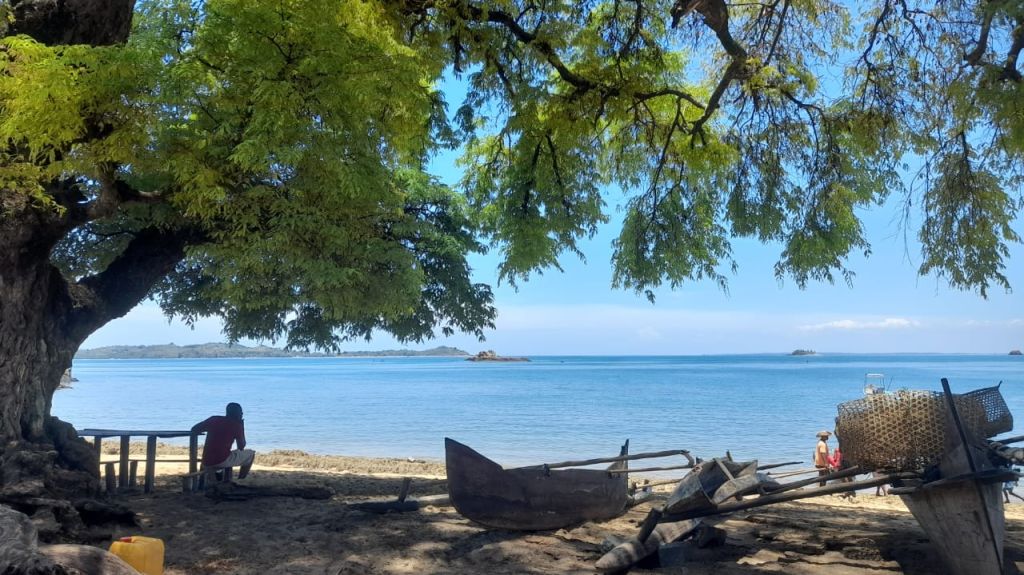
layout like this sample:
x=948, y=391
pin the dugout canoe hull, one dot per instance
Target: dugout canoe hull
x=965, y=522
x=532, y=498
x=962, y=512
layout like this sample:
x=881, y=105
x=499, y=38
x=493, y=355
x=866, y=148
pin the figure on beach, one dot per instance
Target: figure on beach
x=821, y=456
x=835, y=463
x=1008, y=488
x=221, y=432
x=881, y=490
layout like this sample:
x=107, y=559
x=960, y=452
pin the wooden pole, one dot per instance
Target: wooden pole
x=123, y=472
x=150, y=463
x=774, y=465
x=651, y=455
x=109, y=477
x=834, y=475
x=792, y=473
x=404, y=491
x=133, y=470
x=193, y=453
x=1014, y=439
x=97, y=442
x=643, y=469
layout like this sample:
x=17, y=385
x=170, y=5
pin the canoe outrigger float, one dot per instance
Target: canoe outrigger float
x=541, y=497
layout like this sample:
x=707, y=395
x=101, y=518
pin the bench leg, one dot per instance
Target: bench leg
x=111, y=479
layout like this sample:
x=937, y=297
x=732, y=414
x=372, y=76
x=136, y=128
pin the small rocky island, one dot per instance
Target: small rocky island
x=1016, y=352
x=804, y=352
x=490, y=355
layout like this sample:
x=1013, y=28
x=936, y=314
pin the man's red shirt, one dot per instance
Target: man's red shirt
x=221, y=432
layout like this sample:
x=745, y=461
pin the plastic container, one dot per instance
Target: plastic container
x=145, y=554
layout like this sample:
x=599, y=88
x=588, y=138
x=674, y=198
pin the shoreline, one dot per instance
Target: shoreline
x=867, y=535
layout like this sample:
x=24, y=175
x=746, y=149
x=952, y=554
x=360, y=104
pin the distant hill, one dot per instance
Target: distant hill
x=804, y=352
x=212, y=350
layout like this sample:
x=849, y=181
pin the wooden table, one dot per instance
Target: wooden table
x=151, y=436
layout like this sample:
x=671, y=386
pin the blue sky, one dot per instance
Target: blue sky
x=888, y=309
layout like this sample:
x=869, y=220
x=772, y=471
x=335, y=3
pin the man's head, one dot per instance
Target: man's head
x=234, y=411
x=823, y=435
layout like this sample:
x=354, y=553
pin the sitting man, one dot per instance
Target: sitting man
x=221, y=432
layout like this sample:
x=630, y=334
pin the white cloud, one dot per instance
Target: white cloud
x=851, y=324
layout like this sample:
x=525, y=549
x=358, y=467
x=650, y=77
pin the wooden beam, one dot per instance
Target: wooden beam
x=777, y=497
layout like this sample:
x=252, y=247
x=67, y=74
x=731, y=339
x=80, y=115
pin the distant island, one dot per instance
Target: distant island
x=1016, y=352
x=804, y=352
x=490, y=355
x=224, y=350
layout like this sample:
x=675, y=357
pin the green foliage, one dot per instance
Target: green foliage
x=290, y=137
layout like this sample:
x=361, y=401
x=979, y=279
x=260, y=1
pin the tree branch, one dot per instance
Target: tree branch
x=113, y=292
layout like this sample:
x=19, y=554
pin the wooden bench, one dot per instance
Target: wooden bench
x=128, y=467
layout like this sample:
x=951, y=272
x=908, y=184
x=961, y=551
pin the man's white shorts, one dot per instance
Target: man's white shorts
x=236, y=458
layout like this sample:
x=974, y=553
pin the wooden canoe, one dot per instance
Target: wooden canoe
x=532, y=498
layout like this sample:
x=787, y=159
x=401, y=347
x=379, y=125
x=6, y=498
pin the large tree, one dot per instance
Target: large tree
x=263, y=160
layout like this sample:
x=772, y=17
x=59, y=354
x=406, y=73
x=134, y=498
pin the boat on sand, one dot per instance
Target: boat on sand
x=540, y=497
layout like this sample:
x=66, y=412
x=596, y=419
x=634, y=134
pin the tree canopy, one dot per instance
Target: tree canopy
x=280, y=147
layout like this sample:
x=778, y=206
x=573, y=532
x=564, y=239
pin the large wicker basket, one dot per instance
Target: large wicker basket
x=905, y=430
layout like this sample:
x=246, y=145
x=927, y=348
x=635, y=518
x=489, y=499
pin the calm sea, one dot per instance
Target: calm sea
x=550, y=409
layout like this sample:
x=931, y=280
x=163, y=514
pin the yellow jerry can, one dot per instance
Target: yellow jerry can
x=145, y=554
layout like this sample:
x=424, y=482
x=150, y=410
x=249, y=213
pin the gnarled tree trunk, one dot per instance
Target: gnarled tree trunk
x=45, y=316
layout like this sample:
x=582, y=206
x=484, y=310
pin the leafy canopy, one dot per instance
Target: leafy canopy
x=289, y=138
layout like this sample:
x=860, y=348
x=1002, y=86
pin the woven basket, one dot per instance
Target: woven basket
x=905, y=430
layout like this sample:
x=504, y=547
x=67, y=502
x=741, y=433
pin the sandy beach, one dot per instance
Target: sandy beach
x=291, y=535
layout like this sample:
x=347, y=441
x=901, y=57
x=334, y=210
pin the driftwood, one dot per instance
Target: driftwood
x=633, y=551
x=236, y=492
x=21, y=553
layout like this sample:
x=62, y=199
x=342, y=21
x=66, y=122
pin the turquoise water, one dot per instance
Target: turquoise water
x=552, y=408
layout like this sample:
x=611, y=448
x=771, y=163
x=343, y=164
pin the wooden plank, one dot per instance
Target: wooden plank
x=123, y=474
x=133, y=470
x=142, y=432
x=150, y=463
